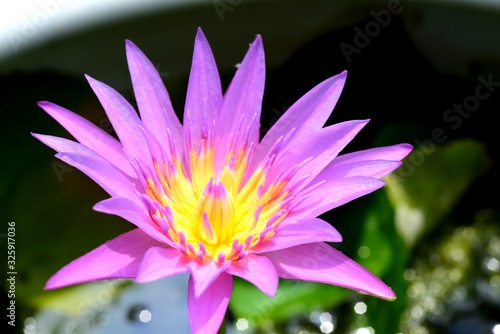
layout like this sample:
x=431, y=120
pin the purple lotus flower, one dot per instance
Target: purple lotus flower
x=207, y=197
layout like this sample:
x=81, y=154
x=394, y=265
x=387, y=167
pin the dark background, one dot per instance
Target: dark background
x=409, y=73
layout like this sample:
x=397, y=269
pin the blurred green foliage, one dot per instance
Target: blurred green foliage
x=408, y=234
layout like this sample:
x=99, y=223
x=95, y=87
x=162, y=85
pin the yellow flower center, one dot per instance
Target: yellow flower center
x=213, y=213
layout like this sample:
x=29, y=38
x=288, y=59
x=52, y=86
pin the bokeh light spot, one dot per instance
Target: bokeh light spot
x=242, y=324
x=360, y=308
x=363, y=252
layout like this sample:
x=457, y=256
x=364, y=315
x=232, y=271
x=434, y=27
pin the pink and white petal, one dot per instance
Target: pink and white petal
x=204, y=95
x=160, y=262
x=333, y=193
x=394, y=153
x=322, y=146
x=152, y=98
x=109, y=177
x=306, y=116
x=90, y=135
x=240, y=117
x=133, y=213
x=370, y=168
x=258, y=270
x=204, y=273
x=207, y=311
x=319, y=262
x=124, y=119
x=117, y=258
x=304, y=231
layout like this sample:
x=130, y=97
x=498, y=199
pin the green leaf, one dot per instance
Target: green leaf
x=74, y=299
x=431, y=181
x=384, y=316
x=292, y=298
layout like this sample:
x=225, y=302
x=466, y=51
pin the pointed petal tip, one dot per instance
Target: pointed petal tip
x=43, y=138
x=399, y=151
x=335, y=82
x=51, y=108
x=98, y=207
x=360, y=123
x=89, y=79
x=255, y=49
x=342, y=76
x=131, y=49
x=130, y=46
x=392, y=298
x=55, y=282
x=387, y=294
x=201, y=39
x=408, y=147
x=94, y=82
x=52, y=283
x=48, y=285
x=44, y=104
x=200, y=33
x=258, y=43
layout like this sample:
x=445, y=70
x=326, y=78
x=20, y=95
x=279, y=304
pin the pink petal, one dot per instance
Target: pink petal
x=61, y=145
x=117, y=258
x=258, y=270
x=204, y=273
x=305, y=231
x=240, y=116
x=125, y=120
x=90, y=135
x=207, y=311
x=160, y=262
x=372, y=168
x=133, y=213
x=152, y=98
x=109, y=177
x=319, y=262
x=322, y=146
x=204, y=94
x=394, y=153
x=306, y=116
x=333, y=193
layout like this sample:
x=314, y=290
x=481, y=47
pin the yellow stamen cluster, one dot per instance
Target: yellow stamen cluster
x=213, y=214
